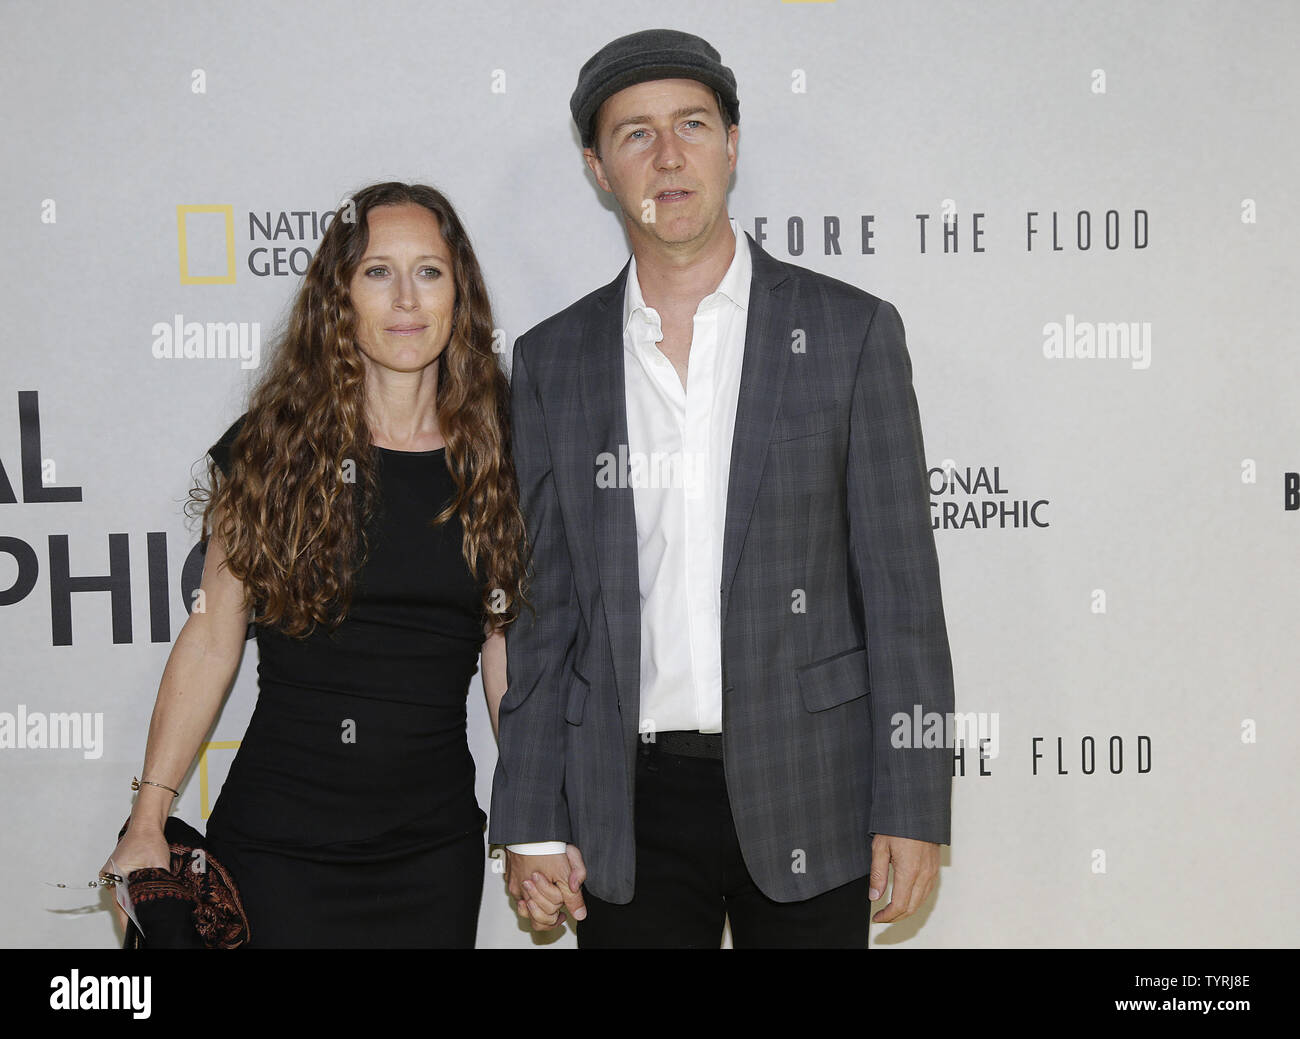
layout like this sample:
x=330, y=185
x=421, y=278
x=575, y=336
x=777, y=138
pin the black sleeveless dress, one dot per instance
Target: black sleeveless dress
x=348, y=818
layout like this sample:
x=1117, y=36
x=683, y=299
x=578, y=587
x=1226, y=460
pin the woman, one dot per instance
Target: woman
x=365, y=508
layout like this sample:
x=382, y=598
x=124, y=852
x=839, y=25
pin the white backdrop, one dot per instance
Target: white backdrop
x=1139, y=600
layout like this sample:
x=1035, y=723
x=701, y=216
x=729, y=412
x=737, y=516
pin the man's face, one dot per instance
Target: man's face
x=667, y=155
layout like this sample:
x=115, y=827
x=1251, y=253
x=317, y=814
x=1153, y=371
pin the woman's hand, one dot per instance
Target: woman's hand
x=141, y=847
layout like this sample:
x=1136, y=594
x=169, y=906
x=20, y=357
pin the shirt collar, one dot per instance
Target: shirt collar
x=734, y=285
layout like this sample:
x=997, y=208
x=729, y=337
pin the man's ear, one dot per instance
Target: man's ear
x=597, y=169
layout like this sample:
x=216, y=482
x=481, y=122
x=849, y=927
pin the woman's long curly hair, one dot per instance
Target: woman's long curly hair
x=291, y=514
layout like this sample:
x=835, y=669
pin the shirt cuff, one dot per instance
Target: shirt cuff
x=538, y=848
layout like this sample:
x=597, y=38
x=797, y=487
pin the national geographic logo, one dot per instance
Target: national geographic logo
x=973, y=498
x=280, y=243
x=206, y=244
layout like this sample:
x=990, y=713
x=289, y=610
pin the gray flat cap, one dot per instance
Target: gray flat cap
x=642, y=56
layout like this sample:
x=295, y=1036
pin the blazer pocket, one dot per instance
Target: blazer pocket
x=577, y=702
x=803, y=423
x=834, y=680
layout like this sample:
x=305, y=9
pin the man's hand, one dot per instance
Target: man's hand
x=916, y=868
x=544, y=885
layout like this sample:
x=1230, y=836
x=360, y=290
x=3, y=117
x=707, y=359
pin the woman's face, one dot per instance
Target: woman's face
x=404, y=291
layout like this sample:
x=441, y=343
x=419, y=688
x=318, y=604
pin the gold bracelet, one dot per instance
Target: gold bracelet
x=135, y=785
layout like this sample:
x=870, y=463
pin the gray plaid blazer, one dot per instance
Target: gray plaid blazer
x=832, y=620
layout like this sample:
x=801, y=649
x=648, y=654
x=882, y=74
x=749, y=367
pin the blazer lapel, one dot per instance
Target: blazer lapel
x=613, y=516
x=762, y=376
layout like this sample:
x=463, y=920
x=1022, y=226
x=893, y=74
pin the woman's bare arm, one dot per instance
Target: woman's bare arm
x=494, y=674
x=199, y=671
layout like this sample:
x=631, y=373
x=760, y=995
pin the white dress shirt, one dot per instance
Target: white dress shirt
x=679, y=527
x=679, y=465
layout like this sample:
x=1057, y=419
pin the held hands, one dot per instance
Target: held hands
x=916, y=868
x=544, y=886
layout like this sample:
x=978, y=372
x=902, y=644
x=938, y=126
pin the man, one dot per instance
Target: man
x=701, y=705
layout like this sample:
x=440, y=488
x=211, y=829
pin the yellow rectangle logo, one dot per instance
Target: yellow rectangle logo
x=182, y=215
x=205, y=801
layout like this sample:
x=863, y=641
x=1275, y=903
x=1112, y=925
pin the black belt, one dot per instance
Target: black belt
x=687, y=744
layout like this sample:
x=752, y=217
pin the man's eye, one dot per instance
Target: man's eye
x=693, y=122
x=634, y=133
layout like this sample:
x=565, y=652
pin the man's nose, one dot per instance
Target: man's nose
x=669, y=155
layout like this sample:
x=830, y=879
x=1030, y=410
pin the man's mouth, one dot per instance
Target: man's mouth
x=672, y=196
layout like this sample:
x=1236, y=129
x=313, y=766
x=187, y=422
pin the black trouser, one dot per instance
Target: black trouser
x=690, y=875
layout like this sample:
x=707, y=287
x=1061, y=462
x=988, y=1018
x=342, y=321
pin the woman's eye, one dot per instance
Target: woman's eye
x=376, y=271
x=431, y=272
